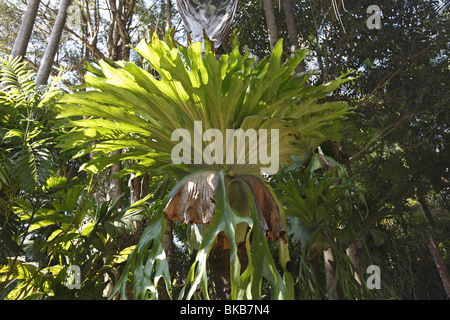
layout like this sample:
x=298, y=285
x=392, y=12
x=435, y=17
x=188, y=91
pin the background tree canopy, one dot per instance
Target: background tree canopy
x=86, y=178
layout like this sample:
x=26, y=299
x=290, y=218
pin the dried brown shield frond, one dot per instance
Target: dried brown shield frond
x=194, y=201
x=269, y=212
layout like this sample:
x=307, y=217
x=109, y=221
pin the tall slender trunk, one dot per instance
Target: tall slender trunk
x=439, y=262
x=425, y=209
x=113, y=191
x=119, y=40
x=168, y=249
x=168, y=14
x=330, y=278
x=292, y=31
x=53, y=44
x=219, y=266
x=290, y=23
x=313, y=262
x=433, y=243
x=119, y=49
x=24, y=34
x=333, y=288
x=271, y=22
x=135, y=184
x=353, y=254
x=115, y=188
x=26, y=28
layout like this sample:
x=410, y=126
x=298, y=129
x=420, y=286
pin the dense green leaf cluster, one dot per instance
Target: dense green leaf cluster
x=128, y=108
x=48, y=217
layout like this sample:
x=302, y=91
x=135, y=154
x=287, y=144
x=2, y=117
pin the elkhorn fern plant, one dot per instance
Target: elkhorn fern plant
x=196, y=98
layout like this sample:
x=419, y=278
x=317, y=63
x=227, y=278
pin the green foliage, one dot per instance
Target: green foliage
x=51, y=216
x=66, y=231
x=134, y=111
x=402, y=151
x=25, y=157
x=404, y=251
x=24, y=114
x=9, y=25
x=326, y=209
x=48, y=219
x=147, y=263
x=130, y=109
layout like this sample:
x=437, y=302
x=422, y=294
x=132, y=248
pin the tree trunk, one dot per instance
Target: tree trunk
x=292, y=31
x=115, y=188
x=135, y=188
x=119, y=40
x=271, y=23
x=53, y=44
x=119, y=49
x=168, y=15
x=440, y=263
x=328, y=258
x=352, y=253
x=23, y=36
x=26, y=28
x=168, y=249
x=333, y=288
x=425, y=209
x=433, y=244
x=219, y=266
x=312, y=259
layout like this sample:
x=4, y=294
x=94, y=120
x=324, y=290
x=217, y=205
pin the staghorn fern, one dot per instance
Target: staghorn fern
x=127, y=108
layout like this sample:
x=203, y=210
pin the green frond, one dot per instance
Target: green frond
x=127, y=103
x=15, y=76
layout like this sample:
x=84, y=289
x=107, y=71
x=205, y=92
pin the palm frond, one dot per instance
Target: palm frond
x=9, y=222
x=15, y=75
x=24, y=146
x=32, y=163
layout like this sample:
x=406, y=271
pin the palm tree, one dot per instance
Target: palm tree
x=26, y=27
x=53, y=44
x=23, y=37
x=132, y=110
x=271, y=22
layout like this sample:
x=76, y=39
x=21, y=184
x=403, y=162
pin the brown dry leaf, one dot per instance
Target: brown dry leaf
x=326, y=164
x=194, y=200
x=269, y=213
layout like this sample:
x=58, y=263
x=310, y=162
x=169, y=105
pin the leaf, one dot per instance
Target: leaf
x=268, y=210
x=123, y=255
x=225, y=219
x=40, y=224
x=298, y=230
x=33, y=163
x=194, y=200
x=87, y=229
x=145, y=277
x=261, y=264
x=130, y=109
